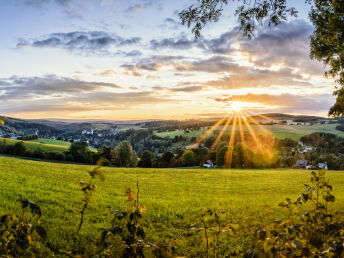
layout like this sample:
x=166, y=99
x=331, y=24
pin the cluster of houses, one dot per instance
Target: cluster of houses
x=292, y=122
x=304, y=164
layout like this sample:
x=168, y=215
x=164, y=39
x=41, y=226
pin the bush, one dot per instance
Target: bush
x=55, y=155
x=221, y=156
x=146, y=160
x=188, y=158
x=316, y=233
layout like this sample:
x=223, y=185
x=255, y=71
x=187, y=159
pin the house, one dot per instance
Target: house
x=208, y=164
x=307, y=148
x=322, y=165
x=301, y=164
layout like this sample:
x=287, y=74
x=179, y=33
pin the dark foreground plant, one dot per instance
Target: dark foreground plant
x=127, y=225
x=89, y=188
x=215, y=229
x=311, y=230
x=23, y=235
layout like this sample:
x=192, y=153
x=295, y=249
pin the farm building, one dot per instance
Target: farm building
x=208, y=164
x=302, y=164
x=322, y=165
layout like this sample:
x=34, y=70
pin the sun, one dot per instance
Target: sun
x=237, y=106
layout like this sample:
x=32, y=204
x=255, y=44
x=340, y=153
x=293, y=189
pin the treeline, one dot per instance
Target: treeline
x=235, y=151
x=22, y=127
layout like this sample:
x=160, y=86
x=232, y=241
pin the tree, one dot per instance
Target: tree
x=188, y=158
x=222, y=156
x=105, y=152
x=80, y=152
x=19, y=148
x=166, y=159
x=2, y=120
x=201, y=155
x=241, y=157
x=327, y=41
x=146, y=160
x=123, y=155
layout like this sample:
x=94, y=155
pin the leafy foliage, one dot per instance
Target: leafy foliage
x=311, y=230
x=123, y=155
x=23, y=235
x=89, y=188
x=215, y=229
x=327, y=43
x=248, y=13
x=126, y=225
x=2, y=118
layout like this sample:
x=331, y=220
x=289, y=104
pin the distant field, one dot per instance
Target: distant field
x=279, y=131
x=35, y=145
x=172, y=134
x=174, y=197
x=51, y=142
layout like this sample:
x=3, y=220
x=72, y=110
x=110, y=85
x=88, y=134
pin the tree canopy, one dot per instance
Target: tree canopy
x=326, y=42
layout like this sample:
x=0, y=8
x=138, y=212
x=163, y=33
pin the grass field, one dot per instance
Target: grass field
x=279, y=131
x=174, y=197
x=33, y=145
x=51, y=142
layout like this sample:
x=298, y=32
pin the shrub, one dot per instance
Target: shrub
x=146, y=160
x=313, y=232
x=188, y=158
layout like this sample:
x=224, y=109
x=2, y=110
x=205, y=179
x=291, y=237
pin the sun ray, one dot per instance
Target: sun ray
x=258, y=124
x=207, y=133
x=229, y=153
x=242, y=137
x=218, y=138
x=266, y=149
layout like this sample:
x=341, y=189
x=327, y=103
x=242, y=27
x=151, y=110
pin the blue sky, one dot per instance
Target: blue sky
x=116, y=59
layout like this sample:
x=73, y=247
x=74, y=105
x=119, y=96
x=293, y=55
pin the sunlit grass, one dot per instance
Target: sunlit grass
x=174, y=197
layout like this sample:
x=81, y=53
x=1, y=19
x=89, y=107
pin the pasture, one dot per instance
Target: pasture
x=174, y=198
x=44, y=144
x=51, y=142
x=294, y=132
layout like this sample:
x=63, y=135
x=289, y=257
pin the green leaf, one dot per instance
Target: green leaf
x=322, y=172
x=305, y=197
x=41, y=232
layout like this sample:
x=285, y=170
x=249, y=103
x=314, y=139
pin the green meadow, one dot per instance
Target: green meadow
x=294, y=132
x=44, y=144
x=51, y=142
x=174, y=198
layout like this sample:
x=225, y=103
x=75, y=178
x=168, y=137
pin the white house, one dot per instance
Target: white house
x=322, y=165
x=208, y=164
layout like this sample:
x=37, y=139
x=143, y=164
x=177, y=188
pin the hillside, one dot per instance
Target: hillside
x=174, y=198
x=43, y=144
x=23, y=127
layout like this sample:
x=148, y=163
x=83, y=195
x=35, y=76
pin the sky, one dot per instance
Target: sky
x=133, y=60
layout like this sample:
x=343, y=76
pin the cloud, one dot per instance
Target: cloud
x=71, y=8
x=287, y=102
x=214, y=64
x=153, y=63
x=181, y=43
x=135, y=8
x=144, y=4
x=95, y=42
x=106, y=73
x=17, y=87
x=188, y=89
x=53, y=94
x=251, y=77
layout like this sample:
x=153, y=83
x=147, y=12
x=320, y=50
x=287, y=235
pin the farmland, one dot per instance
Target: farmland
x=294, y=132
x=174, y=197
x=44, y=144
x=51, y=142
